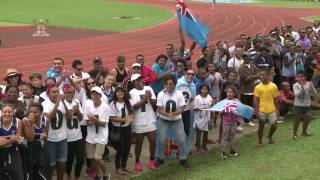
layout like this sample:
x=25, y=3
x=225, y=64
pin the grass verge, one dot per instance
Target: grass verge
x=287, y=159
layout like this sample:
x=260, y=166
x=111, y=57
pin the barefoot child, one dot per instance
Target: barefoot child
x=202, y=118
x=265, y=103
x=230, y=121
x=303, y=90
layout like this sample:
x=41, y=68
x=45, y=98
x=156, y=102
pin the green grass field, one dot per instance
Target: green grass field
x=285, y=160
x=312, y=18
x=90, y=14
x=287, y=3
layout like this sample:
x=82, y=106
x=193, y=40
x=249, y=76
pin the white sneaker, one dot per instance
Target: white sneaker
x=250, y=124
x=239, y=128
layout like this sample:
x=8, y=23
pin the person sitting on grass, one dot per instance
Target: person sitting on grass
x=303, y=90
x=230, y=121
x=285, y=99
x=265, y=104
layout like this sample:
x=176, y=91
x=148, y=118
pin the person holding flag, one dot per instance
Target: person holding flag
x=192, y=27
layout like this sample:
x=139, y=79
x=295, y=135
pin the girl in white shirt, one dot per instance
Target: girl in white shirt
x=143, y=99
x=121, y=116
x=202, y=118
x=74, y=136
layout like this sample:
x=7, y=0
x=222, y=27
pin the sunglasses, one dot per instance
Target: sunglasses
x=91, y=83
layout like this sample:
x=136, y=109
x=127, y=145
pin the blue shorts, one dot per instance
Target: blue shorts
x=57, y=151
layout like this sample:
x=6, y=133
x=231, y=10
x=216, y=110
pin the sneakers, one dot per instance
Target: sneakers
x=223, y=156
x=107, y=177
x=159, y=162
x=138, y=166
x=234, y=154
x=184, y=163
x=295, y=137
x=239, y=128
x=250, y=124
x=89, y=172
x=306, y=134
x=152, y=165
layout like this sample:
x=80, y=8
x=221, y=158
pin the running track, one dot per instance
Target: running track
x=226, y=22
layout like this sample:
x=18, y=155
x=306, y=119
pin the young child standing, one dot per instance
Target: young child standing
x=230, y=121
x=303, y=90
x=202, y=118
x=265, y=105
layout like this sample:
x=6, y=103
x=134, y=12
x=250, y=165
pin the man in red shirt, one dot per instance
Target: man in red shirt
x=285, y=99
x=148, y=75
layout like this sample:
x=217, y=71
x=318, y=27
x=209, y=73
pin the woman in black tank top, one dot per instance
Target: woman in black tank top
x=120, y=71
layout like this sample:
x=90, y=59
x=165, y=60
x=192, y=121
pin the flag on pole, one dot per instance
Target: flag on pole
x=232, y=106
x=192, y=27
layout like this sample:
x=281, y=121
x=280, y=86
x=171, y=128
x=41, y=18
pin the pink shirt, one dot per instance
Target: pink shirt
x=230, y=118
x=148, y=75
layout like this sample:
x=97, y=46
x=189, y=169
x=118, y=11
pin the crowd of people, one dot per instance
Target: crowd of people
x=48, y=122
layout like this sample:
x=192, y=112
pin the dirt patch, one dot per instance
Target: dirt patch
x=19, y=36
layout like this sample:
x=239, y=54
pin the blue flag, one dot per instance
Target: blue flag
x=192, y=27
x=232, y=106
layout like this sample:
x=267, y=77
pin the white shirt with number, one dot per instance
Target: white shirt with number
x=170, y=102
x=97, y=135
x=73, y=125
x=145, y=114
x=58, y=126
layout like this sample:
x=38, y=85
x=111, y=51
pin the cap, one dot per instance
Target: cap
x=135, y=77
x=256, y=40
x=97, y=60
x=136, y=65
x=96, y=89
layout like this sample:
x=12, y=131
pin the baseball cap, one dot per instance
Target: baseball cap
x=97, y=60
x=96, y=89
x=135, y=77
x=136, y=65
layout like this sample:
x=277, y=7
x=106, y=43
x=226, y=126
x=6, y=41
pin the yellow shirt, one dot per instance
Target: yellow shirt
x=266, y=94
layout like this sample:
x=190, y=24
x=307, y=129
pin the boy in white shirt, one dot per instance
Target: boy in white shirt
x=96, y=114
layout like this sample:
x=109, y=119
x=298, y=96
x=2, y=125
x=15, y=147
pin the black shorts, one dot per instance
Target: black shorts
x=302, y=110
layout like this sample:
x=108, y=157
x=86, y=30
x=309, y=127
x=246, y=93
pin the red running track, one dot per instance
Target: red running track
x=226, y=22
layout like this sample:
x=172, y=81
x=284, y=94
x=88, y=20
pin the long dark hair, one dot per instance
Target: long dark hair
x=126, y=99
x=88, y=94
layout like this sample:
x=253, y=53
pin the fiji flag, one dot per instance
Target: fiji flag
x=193, y=28
x=232, y=106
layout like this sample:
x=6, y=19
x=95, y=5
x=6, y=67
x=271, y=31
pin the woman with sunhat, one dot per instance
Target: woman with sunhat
x=13, y=77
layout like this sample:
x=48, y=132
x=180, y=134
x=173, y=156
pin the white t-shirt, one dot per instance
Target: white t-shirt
x=215, y=78
x=97, y=135
x=45, y=97
x=118, y=110
x=234, y=63
x=295, y=36
x=84, y=75
x=202, y=118
x=316, y=29
x=170, y=102
x=145, y=114
x=58, y=127
x=73, y=125
x=28, y=102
